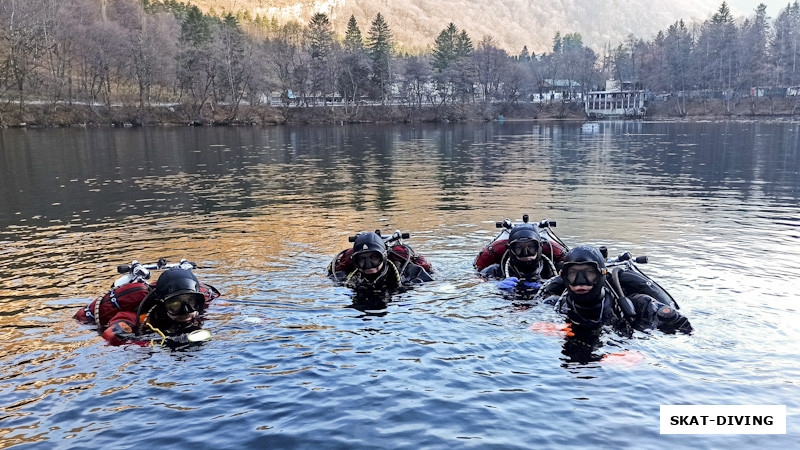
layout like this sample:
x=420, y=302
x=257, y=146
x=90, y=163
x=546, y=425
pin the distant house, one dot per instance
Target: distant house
x=770, y=92
x=619, y=99
x=557, y=90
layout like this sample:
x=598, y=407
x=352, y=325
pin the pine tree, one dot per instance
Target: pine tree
x=354, y=68
x=320, y=36
x=557, y=43
x=524, y=56
x=379, y=49
x=353, y=41
x=785, y=46
x=723, y=14
x=451, y=61
x=230, y=51
x=444, y=51
x=196, y=69
x=463, y=45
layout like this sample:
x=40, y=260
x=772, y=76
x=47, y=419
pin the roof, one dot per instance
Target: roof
x=562, y=83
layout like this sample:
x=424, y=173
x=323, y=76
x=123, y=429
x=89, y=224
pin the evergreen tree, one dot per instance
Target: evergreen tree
x=353, y=41
x=320, y=47
x=229, y=52
x=464, y=67
x=196, y=69
x=195, y=28
x=717, y=60
x=723, y=14
x=677, y=54
x=463, y=45
x=753, y=43
x=454, y=68
x=785, y=46
x=444, y=50
x=379, y=49
x=524, y=55
x=319, y=37
x=557, y=43
x=571, y=43
x=354, y=68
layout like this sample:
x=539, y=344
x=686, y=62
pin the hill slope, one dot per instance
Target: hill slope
x=513, y=23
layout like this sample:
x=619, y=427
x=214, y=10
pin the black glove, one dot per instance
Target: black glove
x=669, y=319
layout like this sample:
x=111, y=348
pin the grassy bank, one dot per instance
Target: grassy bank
x=61, y=115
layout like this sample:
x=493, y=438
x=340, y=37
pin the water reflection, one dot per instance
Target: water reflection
x=264, y=210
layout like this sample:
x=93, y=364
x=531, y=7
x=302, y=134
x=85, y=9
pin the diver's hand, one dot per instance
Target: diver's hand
x=187, y=338
x=529, y=285
x=511, y=283
x=508, y=284
x=670, y=320
x=550, y=300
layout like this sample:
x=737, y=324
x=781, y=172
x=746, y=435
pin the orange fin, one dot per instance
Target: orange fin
x=552, y=329
x=627, y=358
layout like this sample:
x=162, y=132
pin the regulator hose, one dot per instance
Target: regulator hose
x=625, y=304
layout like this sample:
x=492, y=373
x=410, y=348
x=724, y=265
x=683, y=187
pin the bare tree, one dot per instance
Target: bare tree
x=286, y=50
x=490, y=63
x=415, y=76
x=21, y=43
x=230, y=49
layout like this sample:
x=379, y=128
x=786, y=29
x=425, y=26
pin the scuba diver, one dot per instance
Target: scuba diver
x=133, y=309
x=379, y=264
x=591, y=297
x=522, y=264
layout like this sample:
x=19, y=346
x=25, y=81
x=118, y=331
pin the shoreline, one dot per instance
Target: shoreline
x=78, y=115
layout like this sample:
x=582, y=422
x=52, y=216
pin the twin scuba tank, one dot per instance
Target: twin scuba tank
x=553, y=248
x=396, y=251
x=130, y=291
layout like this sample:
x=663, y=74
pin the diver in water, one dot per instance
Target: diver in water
x=522, y=266
x=172, y=310
x=590, y=297
x=372, y=269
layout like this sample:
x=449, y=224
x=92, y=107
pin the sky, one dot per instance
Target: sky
x=747, y=7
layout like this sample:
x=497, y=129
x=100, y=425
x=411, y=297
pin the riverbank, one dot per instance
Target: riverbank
x=62, y=115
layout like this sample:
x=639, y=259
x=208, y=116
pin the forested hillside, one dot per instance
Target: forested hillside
x=58, y=56
x=512, y=23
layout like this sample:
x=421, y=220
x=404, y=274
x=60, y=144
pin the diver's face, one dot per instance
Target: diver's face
x=525, y=249
x=183, y=318
x=369, y=263
x=580, y=290
x=581, y=277
x=183, y=308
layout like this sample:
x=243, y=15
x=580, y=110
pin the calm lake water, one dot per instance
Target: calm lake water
x=451, y=364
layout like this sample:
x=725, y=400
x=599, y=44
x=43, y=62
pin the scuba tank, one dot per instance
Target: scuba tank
x=553, y=248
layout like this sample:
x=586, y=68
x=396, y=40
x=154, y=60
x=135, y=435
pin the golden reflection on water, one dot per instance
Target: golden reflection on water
x=283, y=215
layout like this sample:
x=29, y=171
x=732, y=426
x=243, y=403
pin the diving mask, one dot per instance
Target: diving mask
x=584, y=274
x=524, y=247
x=368, y=260
x=184, y=303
